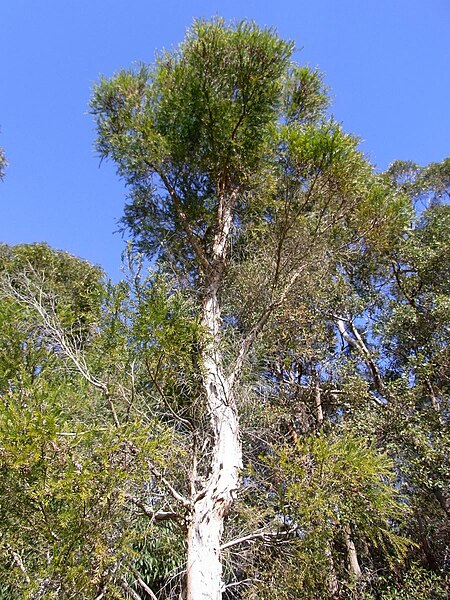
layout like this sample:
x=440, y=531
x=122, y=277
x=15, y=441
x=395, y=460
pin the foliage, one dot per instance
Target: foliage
x=322, y=488
x=319, y=291
x=68, y=464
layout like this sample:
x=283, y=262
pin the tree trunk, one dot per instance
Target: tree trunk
x=204, y=579
x=352, y=556
x=318, y=401
x=333, y=582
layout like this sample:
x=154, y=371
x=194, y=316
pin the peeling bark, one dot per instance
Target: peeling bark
x=204, y=567
x=204, y=579
x=333, y=582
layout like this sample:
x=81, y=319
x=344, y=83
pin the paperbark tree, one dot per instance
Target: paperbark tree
x=241, y=187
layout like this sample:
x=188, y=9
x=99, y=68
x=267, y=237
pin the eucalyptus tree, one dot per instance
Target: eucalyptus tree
x=241, y=188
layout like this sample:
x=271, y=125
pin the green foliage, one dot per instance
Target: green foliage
x=160, y=556
x=67, y=463
x=416, y=582
x=335, y=293
x=430, y=183
x=72, y=285
x=62, y=502
x=340, y=297
x=203, y=117
x=325, y=484
x=305, y=96
x=321, y=489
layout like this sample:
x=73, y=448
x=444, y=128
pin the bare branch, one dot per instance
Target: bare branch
x=176, y=495
x=257, y=535
x=250, y=339
x=358, y=344
x=32, y=295
x=18, y=561
x=159, y=515
x=145, y=587
x=124, y=585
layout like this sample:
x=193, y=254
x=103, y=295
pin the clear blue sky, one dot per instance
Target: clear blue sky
x=387, y=63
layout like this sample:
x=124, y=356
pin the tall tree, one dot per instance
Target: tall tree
x=241, y=187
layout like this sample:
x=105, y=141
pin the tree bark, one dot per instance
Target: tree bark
x=352, y=556
x=204, y=580
x=358, y=343
x=204, y=568
x=318, y=402
x=333, y=582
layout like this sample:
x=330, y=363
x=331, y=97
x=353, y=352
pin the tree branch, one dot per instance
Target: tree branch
x=358, y=344
x=159, y=515
x=33, y=297
x=124, y=585
x=250, y=339
x=145, y=587
x=18, y=561
x=176, y=495
x=257, y=535
x=155, y=382
x=193, y=240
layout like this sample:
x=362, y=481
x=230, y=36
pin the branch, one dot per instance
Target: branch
x=179, y=497
x=194, y=241
x=250, y=339
x=318, y=400
x=369, y=360
x=434, y=400
x=159, y=515
x=124, y=585
x=358, y=343
x=397, y=271
x=247, y=345
x=224, y=222
x=257, y=535
x=17, y=559
x=145, y=587
x=155, y=382
x=33, y=298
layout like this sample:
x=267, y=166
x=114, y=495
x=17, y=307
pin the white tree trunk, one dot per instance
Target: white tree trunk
x=204, y=579
x=352, y=555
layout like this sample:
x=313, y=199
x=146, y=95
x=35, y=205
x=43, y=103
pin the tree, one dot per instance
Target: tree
x=243, y=189
x=73, y=447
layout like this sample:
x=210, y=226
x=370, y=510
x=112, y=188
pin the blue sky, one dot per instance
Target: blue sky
x=387, y=63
